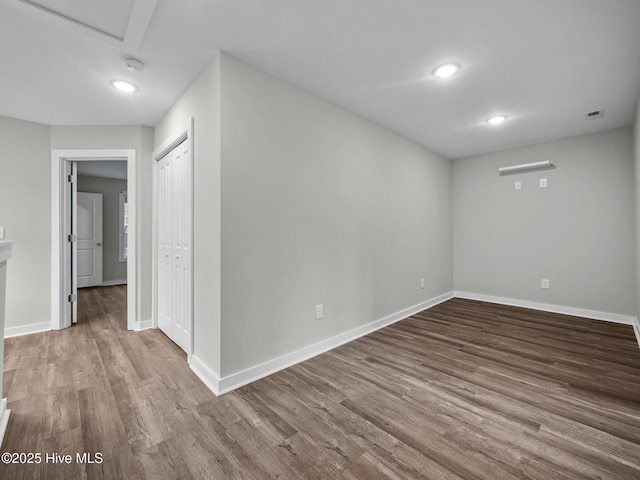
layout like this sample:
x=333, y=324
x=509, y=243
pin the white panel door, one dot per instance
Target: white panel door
x=174, y=203
x=89, y=239
x=165, y=245
x=182, y=245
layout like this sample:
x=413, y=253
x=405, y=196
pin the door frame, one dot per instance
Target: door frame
x=60, y=260
x=172, y=141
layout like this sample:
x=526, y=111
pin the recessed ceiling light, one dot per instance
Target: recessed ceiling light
x=123, y=86
x=446, y=70
x=497, y=120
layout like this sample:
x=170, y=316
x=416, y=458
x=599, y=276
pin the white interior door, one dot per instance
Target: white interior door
x=165, y=245
x=174, y=245
x=89, y=239
x=182, y=245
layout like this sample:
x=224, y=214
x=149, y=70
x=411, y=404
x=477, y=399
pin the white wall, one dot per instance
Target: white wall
x=25, y=211
x=202, y=101
x=578, y=232
x=319, y=206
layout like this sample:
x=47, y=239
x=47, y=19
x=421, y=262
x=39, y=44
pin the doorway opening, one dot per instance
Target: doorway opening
x=75, y=253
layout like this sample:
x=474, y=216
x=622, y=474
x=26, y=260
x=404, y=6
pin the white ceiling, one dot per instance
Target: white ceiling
x=544, y=63
x=109, y=18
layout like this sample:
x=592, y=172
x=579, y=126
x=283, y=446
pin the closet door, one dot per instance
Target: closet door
x=165, y=245
x=174, y=205
x=182, y=246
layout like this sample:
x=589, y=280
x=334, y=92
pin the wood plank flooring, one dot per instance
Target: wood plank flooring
x=465, y=390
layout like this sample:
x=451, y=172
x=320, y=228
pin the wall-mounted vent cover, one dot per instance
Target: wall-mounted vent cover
x=594, y=114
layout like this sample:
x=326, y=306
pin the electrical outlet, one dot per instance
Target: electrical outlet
x=1, y=233
x=518, y=185
x=422, y=283
x=319, y=312
x=544, y=283
x=543, y=183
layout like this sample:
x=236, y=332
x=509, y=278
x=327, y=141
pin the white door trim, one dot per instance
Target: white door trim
x=185, y=134
x=59, y=159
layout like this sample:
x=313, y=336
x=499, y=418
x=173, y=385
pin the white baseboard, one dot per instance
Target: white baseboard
x=4, y=418
x=111, y=283
x=221, y=385
x=204, y=373
x=636, y=329
x=26, y=329
x=228, y=383
x=143, y=325
x=547, y=307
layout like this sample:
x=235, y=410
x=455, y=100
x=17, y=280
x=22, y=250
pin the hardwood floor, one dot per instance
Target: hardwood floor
x=465, y=390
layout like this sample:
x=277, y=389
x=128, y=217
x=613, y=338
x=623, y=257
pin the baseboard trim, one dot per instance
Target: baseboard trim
x=26, y=329
x=228, y=383
x=221, y=385
x=143, y=325
x=547, y=307
x=4, y=419
x=111, y=283
x=636, y=329
x=205, y=374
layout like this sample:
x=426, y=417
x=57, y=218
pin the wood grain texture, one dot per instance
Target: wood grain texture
x=465, y=390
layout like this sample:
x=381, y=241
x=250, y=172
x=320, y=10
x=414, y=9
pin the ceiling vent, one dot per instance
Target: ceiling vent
x=594, y=114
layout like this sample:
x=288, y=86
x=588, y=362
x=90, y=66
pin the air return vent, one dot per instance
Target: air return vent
x=594, y=114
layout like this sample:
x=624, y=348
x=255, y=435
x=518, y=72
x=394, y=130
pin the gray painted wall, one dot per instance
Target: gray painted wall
x=578, y=232
x=319, y=206
x=3, y=286
x=636, y=164
x=112, y=268
x=298, y=202
x=25, y=211
x=202, y=101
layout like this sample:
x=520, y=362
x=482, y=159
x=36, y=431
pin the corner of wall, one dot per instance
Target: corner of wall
x=506, y=240
x=210, y=378
x=636, y=165
x=201, y=101
x=302, y=179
